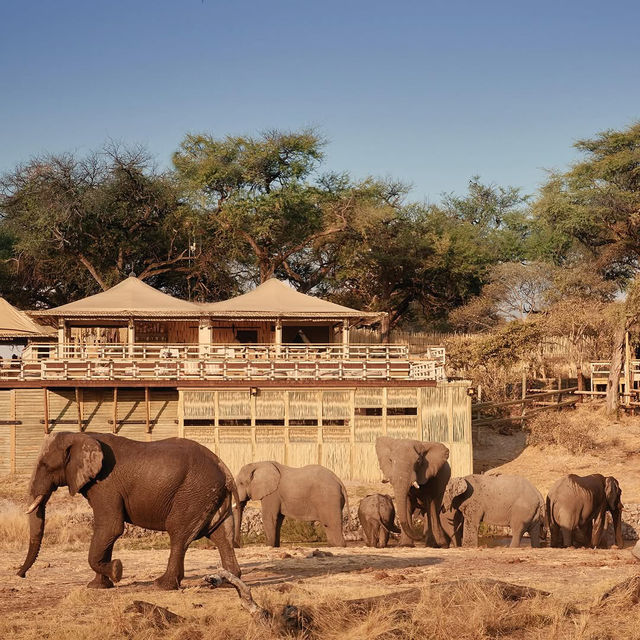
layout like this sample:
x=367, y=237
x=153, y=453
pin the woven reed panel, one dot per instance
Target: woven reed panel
x=368, y=397
x=204, y=435
x=234, y=405
x=62, y=407
x=336, y=405
x=404, y=427
x=29, y=434
x=303, y=453
x=5, y=449
x=132, y=414
x=98, y=409
x=398, y=397
x=304, y=405
x=164, y=411
x=270, y=405
x=199, y=405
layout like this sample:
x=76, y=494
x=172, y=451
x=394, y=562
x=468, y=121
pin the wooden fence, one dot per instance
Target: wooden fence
x=525, y=407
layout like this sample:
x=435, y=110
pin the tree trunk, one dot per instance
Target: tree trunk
x=613, y=384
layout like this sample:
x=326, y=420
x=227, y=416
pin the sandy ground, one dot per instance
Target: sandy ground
x=352, y=572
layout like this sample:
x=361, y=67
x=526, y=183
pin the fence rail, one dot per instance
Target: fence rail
x=529, y=406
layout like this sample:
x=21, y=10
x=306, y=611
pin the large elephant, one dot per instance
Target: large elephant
x=581, y=502
x=418, y=472
x=172, y=485
x=377, y=515
x=501, y=500
x=311, y=494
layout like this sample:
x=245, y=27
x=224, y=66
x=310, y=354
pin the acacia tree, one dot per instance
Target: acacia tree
x=261, y=194
x=595, y=207
x=91, y=221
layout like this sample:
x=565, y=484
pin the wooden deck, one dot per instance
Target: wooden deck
x=148, y=363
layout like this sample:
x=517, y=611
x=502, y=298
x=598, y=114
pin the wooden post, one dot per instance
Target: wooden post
x=384, y=329
x=79, y=408
x=147, y=406
x=352, y=434
x=286, y=427
x=384, y=411
x=253, y=410
x=523, y=409
x=131, y=336
x=61, y=337
x=345, y=338
x=204, y=337
x=580, y=378
x=46, y=410
x=319, y=396
x=115, y=409
x=627, y=368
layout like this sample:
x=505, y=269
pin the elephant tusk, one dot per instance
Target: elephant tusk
x=233, y=505
x=34, y=505
x=415, y=484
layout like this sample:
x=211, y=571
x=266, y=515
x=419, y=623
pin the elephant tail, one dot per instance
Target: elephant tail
x=546, y=520
x=235, y=509
x=346, y=500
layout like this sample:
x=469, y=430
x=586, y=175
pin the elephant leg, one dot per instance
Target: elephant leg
x=222, y=537
x=383, y=539
x=517, y=529
x=567, y=536
x=375, y=534
x=555, y=539
x=470, y=533
x=534, y=534
x=333, y=527
x=174, y=573
x=104, y=537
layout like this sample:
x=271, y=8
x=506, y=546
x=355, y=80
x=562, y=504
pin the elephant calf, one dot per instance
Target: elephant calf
x=495, y=499
x=581, y=503
x=377, y=514
x=311, y=494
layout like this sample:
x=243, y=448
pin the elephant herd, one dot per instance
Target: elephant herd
x=179, y=486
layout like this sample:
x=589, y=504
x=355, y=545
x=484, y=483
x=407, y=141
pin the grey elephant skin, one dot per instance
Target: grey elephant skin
x=418, y=472
x=580, y=504
x=502, y=500
x=311, y=494
x=377, y=515
x=172, y=485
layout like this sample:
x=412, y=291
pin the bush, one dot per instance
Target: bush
x=569, y=429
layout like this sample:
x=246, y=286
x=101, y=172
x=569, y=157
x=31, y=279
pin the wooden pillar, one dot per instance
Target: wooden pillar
x=627, y=369
x=580, y=383
x=115, y=409
x=278, y=336
x=204, y=337
x=131, y=336
x=79, y=407
x=147, y=406
x=384, y=328
x=345, y=338
x=320, y=438
x=286, y=428
x=62, y=335
x=46, y=409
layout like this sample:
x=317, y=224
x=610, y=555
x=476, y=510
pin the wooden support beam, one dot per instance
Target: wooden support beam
x=115, y=410
x=12, y=431
x=147, y=404
x=79, y=406
x=46, y=410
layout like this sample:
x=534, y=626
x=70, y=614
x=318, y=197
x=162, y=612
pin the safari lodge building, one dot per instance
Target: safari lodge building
x=271, y=374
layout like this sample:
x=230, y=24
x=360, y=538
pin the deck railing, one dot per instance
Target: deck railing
x=223, y=362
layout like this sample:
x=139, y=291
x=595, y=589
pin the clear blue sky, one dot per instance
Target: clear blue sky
x=430, y=92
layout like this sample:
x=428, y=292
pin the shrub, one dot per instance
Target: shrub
x=572, y=430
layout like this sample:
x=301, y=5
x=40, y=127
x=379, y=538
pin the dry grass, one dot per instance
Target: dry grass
x=466, y=612
x=575, y=431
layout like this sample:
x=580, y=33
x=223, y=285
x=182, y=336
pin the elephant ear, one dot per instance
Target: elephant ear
x=264, y=480
x=455, y=487
x=383, y=451
x=613, y=492
x=84, y=461
x=432, y=457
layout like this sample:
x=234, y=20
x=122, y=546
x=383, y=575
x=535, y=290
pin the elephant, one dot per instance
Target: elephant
x=418, y=472
x=377, y=515
x=311, y=493
x=172, y=485
x=495, y=499
x=581, y=503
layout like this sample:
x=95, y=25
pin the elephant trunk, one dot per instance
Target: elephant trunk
x=36, y=531
x=401, y=491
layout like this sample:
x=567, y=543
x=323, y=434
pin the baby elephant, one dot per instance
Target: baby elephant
x=377, y=514
x=495, y=499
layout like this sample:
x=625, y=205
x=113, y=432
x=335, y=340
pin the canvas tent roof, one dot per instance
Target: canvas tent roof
x=17, y=324
x=130, y=298
x=275, y=299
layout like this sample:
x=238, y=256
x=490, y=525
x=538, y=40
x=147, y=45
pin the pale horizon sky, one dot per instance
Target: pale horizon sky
x=430, y=93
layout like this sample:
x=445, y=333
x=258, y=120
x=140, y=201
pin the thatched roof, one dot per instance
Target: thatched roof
x=130, y=298
x=17, y=324
x=275, y=299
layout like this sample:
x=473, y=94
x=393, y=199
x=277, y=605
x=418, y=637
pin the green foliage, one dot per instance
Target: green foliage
x=508, y=345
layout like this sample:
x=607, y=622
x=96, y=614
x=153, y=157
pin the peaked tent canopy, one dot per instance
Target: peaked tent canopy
x=275, y=299
x=130, y=298
x=17, y=324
